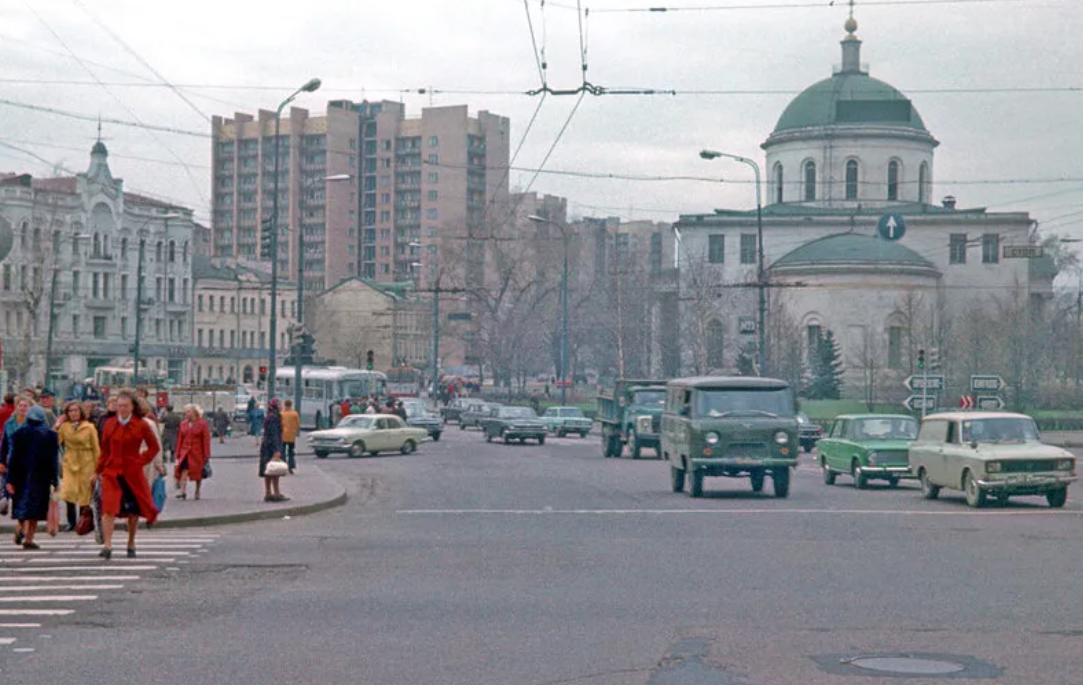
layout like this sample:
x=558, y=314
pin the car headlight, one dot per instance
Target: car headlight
x=992, y=467
x=872, y=458
x=711, y=438
x=1065, y=465
x=782, y=438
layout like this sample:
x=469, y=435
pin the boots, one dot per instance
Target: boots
x=73, y=515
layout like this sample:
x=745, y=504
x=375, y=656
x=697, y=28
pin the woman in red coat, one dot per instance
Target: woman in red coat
x=193, y=450
x=128, y=445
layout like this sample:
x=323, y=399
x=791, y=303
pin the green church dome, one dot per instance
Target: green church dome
x=850, y=98
x=853, y=250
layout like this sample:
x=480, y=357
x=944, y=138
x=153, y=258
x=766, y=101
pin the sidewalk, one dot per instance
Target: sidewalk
x=235, y=495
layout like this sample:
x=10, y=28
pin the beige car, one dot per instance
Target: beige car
x=989, y=454
x=359, y=434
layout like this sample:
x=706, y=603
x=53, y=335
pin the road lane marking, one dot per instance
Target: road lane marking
x=671, y=512
x=8, y=626
x=36, y=612
x=7, y=640
x=139, y=550
x=50, y=588
x=89, y=559
x=61, y=579
x=51, y=569
x=49, y=598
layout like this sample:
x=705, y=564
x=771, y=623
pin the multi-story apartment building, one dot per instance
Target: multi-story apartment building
x=231, y=310
x=69, y=290
x=417, y=187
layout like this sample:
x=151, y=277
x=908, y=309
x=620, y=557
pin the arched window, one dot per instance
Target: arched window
x=96, y=246
x=810, y=181
x=851, y=179
x=778, y=183
x=172, y=252
x=923, y=182
x=105, y=245
x=893, y=180
x=716, y=344
x=184, y=252
x=24, y=234
x=158, y=252
x=123, y=248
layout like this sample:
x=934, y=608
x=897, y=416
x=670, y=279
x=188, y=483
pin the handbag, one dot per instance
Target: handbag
x=52, y=525
x=207, y=470
x=85, y=525
x=276, y=468
x=158, y=492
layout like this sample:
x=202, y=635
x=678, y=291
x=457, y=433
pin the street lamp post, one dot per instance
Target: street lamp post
x=563, y=308
x=272, y=370
x=298, y=366
x=761, y=280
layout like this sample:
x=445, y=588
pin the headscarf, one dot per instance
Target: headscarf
x=273, y=407
x=36, y=414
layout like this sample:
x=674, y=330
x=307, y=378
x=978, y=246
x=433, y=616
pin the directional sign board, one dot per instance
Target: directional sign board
x=891, y=226
x=930, y=382
x=990, y=403
x=1022, y=251
x=916, y=402
x=986, y=383
x=966, y=402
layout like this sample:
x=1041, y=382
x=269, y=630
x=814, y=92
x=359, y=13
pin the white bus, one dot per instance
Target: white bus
x=324, y=387
x=123, y=377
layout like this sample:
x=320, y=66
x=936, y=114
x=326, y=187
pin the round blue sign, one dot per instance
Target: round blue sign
x=891, y=226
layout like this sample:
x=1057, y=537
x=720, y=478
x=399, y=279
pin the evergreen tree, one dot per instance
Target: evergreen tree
x=825, y=382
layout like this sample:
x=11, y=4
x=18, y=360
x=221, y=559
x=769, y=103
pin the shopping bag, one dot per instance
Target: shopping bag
x=207, y=470
x=52, y=525
x=85, y=525
x=158, y=491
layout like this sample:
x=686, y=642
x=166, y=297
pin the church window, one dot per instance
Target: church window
x=778, y=183
x=810, y=181
x=748, y=248
x=990, y=248
x=923, y=182
x=716, y=248
x=894, y=347
x=716, y=344
x=957, y=248
x=851, y=179
x=814, y=334
x=893, y=180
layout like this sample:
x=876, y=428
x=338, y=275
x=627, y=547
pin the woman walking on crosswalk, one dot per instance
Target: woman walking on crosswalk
x=79, y=438
x=32, y=475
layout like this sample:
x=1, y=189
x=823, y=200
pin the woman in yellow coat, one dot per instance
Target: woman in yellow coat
x=79, y=438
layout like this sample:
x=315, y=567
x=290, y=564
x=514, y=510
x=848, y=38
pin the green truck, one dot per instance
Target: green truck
x=631, y=413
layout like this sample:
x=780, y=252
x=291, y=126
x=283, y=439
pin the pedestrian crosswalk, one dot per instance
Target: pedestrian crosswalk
x=41, y=589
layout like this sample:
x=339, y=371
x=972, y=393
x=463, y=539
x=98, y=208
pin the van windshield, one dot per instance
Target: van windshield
x=724, y=402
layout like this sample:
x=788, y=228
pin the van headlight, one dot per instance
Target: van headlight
x=711, y=438
x=992, y=467
x=782, y=438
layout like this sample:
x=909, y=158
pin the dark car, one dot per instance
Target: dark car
x=454, y=409
x=809, y=433
x=473, y=414
x=514, y=423
x=419, y=416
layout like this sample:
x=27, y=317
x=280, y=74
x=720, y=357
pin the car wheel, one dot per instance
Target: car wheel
x=522, y=441
x=488, y=436
x=695, y=483
x=583, y=434
x=928, y=490
x=319, y=421
x=504, y=437
x=561, y=434
x=757, y=478
x=357, y=449
x=436, y=436
x=541, y=439
x=781, y=478
x=975, y=496
x=320, y=454
x=462, y=426
x=676, y=479
x=636, y=449
x=408, y=447
x=1056, y=498
x=829, y=475
x=861, y=481
x=893, y=481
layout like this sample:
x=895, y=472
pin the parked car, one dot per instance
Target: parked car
x=514, y=423
x=868, y=447
x=419, y=416
x=454, y=409
x=473, y=414
x=986, y=454
x=563, y=420
x=358, y=434
x=809, y=432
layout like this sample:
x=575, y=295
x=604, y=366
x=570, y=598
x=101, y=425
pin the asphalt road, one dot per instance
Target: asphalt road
x=483, y=564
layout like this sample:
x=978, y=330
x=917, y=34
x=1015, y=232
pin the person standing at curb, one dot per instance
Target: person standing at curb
x=171, y=422
x=291, y=425
x=32, y=475
x=79, y=438
x=271, y=450
x=221, y=424
x=128, y=445
x=193, y=450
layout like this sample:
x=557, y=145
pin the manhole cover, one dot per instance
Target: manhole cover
x=907, y=665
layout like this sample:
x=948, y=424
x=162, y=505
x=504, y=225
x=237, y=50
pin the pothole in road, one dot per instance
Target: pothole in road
x=908, y=665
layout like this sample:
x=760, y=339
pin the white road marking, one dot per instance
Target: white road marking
x=7, y=640
x=50, y=588
x=61, y=579
x=36, y=612
x=49, y=598
x=51, y=569
x=118, y=557
x=139, y=550
x=19, y=625
x=728, y=512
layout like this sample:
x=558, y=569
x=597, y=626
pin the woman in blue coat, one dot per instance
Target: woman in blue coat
x=33, y=473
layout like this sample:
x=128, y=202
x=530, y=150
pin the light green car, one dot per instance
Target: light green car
x=989, y=454
x=564, y=420
x=360, y=434
x=868, y=447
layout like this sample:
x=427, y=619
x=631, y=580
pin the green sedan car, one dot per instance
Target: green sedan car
x=868, y=447
x=564, y=420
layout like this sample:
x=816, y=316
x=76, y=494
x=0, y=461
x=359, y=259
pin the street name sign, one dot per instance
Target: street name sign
x=917, y=402
x=990, y=403
x=891, y=226
x=923, y=382
x=986, y=383
x=1022, y=251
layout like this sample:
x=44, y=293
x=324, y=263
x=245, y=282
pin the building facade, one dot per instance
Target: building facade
x=70, y=289
x=231, y=310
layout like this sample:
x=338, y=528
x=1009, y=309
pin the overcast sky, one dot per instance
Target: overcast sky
x=999, y=83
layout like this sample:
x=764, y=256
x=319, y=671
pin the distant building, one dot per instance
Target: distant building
x=232, y=320
x=74, y=263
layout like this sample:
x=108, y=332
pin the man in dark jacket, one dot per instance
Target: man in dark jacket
x=170, y=429
x=33, y=472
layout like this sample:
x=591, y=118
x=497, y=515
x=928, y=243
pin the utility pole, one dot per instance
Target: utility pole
x=138, y=305
x=435, y=338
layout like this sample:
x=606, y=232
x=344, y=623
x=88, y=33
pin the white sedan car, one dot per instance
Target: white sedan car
x=360, y=434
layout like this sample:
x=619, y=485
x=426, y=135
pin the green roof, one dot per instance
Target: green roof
x=850, y=97
x=852, y=249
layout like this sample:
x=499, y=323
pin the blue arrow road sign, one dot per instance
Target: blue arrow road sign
x=891, y=226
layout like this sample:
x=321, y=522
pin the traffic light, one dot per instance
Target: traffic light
x=265, y=239
x=262, y=374
x=306, y=347
x=934, y=358
x=921, y=358
x=370, y=363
